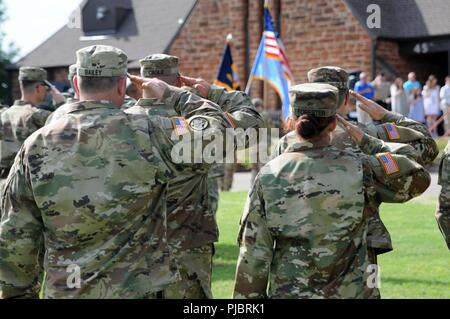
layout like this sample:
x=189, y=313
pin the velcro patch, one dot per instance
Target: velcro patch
x=392, y=132
x=180, y=125
x=198, y=123
x=389, y=163
x=230, y=120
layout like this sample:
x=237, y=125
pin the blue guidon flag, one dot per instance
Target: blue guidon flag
x=227, y=76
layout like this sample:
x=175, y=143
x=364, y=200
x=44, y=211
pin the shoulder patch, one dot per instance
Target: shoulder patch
x=230, y=120
x=389, y=163
x=392, y=131
x=180, y=125
x=198, y=123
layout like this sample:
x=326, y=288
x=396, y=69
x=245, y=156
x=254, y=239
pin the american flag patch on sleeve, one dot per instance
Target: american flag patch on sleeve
x=389, y=163
x=180, y=125
x=230, y=120
x=392, y=131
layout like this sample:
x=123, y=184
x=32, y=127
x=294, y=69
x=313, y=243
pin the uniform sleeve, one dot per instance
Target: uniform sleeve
x=197, y=137
x=256, y=249
x=392, y=174
x=443, y=211
x=237, y=106
x=372, y=146
x=20, y=236
x=406, y=130
x=40, y=117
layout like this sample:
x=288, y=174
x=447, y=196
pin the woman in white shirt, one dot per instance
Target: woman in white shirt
x=431, y=102
x=399, y=99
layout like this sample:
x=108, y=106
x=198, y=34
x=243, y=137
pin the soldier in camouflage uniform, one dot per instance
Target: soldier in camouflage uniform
x=191, y=221
x=63, y=109
x=23, y=118
x=90, y=189
x=443, y=211
x=303, y=231
x=391, y=127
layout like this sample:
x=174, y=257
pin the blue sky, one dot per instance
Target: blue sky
x=31, y=22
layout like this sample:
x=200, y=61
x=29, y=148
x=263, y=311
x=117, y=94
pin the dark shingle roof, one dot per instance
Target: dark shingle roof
x=150, y=28
x=406, y=19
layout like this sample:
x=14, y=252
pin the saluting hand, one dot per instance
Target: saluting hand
x=197, y=83
x=354, y=131
x=151, y=88
x=375, y=111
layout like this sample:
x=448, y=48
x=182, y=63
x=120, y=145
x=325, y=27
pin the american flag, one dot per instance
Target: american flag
x=180, y=125
x=274, y=48
x=392, y=132
x=389, y=164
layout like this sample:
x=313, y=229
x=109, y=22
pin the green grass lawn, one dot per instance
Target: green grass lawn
x=419, y=266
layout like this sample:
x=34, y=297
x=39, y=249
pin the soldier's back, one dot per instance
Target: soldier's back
x=18, y=122
x=317, y=222
x=98, y=184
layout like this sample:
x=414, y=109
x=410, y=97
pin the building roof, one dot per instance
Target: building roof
x=406, y=19
x=150, y=28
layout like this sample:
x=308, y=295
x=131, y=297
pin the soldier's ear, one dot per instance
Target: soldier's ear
x=76, y=84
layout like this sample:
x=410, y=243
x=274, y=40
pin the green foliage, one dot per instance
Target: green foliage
x=7, y=53
x=417, y=268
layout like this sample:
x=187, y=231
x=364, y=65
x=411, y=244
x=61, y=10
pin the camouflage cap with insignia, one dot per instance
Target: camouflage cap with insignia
x=101, y=61
x=29, y=73
x=318, y=99
x=72, y=72
x=156, y=65
x=332, y=75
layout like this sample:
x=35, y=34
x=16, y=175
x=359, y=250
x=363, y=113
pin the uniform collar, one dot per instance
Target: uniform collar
x=22, y=103
x=89, y=105
x=302, y=145
x=152, y=102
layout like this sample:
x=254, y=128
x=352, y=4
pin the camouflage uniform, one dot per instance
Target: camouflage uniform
x=19, y=121
x=93, y=185
x=303, y=230
x=443, y=211
x=191, y=222
x=392, y=128
x=63, y=109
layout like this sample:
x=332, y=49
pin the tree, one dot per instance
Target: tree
x=8, y=51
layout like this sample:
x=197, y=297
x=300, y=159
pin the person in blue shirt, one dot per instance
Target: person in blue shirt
x=366, y=89
x=412, y=83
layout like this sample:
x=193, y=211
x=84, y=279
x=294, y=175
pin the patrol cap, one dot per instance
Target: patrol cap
x=101, y=61
x=72, y=72
x=318, y=99
x=332, y=75
x=157, y=65
x=29, y=73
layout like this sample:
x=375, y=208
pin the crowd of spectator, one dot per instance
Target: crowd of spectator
x=428, y=104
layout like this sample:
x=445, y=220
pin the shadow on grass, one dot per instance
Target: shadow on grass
x=402, y=281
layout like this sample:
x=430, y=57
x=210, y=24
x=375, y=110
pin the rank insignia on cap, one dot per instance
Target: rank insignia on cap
x=389, y=163
x=230, y=120
x=392, y=132
x=180, y=125
x=199, y=123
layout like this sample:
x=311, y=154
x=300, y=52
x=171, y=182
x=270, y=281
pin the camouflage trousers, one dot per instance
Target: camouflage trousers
x=226, y=182
x=213, y=194
x=195, y=267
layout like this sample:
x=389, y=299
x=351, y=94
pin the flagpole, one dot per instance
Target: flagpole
x=265, y=86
